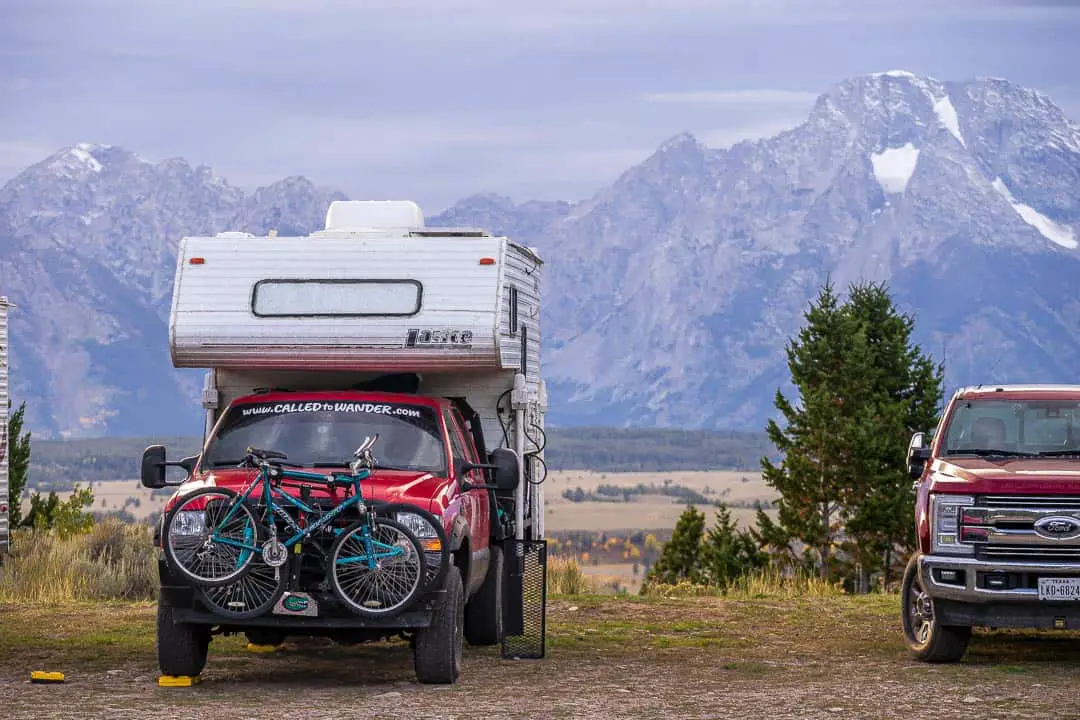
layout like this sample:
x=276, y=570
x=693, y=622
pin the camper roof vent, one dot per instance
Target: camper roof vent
x=373, y=214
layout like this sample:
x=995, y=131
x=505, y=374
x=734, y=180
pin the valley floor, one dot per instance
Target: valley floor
x=607, y=658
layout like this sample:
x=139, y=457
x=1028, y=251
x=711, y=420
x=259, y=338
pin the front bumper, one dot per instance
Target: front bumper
x=975, y=577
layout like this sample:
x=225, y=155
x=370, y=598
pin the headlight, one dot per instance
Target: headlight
x=417, y=525
x=189, y=522
x=945, y=524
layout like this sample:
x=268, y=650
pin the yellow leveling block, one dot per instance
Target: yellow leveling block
x=178, y=680
x=40, y=676
x=252, y=647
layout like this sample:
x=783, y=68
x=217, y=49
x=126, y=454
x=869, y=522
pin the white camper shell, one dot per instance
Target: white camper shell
x=374, y=293
x=5, y=519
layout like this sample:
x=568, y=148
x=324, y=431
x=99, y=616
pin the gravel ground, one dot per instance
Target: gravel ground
x=607, y=658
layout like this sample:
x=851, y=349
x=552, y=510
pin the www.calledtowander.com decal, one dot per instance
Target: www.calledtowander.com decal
x=370, y=408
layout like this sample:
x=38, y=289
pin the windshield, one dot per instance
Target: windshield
x=327, y=433
x=1016, y=427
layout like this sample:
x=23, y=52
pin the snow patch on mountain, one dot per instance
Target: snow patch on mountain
x=82, y=154
x=1052, y=231
x=894, y=167
x=946, y=115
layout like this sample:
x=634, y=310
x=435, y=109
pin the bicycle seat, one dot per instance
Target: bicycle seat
x=266, y=454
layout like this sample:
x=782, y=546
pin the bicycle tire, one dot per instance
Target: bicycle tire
x=216, y=599
x=416, y=583
x=435, y=576
x=170, y=551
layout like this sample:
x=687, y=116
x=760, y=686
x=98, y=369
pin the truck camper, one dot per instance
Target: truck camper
x=424, y=341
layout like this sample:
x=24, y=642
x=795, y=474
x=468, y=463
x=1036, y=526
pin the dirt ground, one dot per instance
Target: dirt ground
x=607, y=658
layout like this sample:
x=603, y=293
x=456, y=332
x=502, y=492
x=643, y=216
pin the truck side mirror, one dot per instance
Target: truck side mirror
x=917, y=455
x=506, y=469
x=504, y=465
x=154, y=464
x=153, y=467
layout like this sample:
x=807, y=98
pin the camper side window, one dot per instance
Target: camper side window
x=513, y=302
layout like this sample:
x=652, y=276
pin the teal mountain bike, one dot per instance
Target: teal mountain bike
x=227, y=543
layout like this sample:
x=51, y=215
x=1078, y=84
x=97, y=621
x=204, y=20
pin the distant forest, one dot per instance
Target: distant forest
x=59, y=464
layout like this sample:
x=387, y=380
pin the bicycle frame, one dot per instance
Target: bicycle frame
x=268, y=493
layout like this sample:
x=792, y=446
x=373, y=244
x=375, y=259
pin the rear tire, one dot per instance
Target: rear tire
x=484, y=612
x=437, y=651
x=927, y=640
x=181, y=647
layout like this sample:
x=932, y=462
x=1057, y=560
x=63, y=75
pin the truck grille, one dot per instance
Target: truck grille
x=1002, y=528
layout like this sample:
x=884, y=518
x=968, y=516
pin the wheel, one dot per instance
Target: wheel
x=252, y=595
x=925, y=638
x=181, y=648
x=395, y=581
x=191, y=550
x=437, y=562
x=484, y=611
x=437, y=650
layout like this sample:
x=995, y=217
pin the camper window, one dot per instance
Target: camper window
x=336, y=298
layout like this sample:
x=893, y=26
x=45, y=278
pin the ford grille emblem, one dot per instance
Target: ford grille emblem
x=1058, y=527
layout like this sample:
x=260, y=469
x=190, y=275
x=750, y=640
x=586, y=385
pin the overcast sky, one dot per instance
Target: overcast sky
x=433, y=100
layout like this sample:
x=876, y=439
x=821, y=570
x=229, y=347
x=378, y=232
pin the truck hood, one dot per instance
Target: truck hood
x=425, y=490
x=1032, y=476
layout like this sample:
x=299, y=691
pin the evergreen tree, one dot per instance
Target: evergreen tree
x=681, y=557
x=729, y=552
x=817, y=444
x=904, y=391
x=18, y=456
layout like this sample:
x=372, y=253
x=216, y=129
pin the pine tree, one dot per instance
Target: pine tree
x=18, y=456
x=904, y=391
x=729, y=552
x=817, y=444
x=681, y=557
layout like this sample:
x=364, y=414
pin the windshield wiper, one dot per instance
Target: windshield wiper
x=991, y=452
x=1060, y=453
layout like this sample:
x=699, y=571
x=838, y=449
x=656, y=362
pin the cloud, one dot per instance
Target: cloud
x=736, y=97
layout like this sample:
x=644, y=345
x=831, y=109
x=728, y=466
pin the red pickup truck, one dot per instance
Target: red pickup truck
x=428, y=447
x=998, y=518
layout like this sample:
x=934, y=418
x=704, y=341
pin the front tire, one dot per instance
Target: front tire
x=484, y=612
x=928, y=640
x=181, y=648
x=437, y=649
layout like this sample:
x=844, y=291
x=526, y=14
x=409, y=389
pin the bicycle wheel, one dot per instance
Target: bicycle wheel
x=437, y=560
x=211, y=536
x=395, y=581
x=252, y=595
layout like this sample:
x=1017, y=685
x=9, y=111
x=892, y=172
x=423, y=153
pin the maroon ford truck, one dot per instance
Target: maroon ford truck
x=424, y=478
x=998, y=518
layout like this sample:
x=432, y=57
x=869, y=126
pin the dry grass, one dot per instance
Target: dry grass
x=115, y=560
x=765, y=584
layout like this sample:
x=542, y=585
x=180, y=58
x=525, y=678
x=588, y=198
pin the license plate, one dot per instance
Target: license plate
x=1059, y=588
x=297, y=604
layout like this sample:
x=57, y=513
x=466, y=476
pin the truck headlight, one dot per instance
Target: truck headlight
x=189, y=522
x=422, y=528
x=945, y=524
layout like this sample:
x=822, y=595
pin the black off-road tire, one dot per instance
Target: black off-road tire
x=181, y=648
x=927, y=640
x=437, y=654
x=484, y=611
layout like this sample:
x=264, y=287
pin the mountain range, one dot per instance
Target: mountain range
x=670, y=294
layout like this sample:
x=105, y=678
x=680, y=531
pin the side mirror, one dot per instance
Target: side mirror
x=504, y=464
x=917, y=455
x=153, y=467
x=154, y=464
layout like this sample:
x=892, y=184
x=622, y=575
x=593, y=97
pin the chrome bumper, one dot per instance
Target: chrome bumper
x=968, y=592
